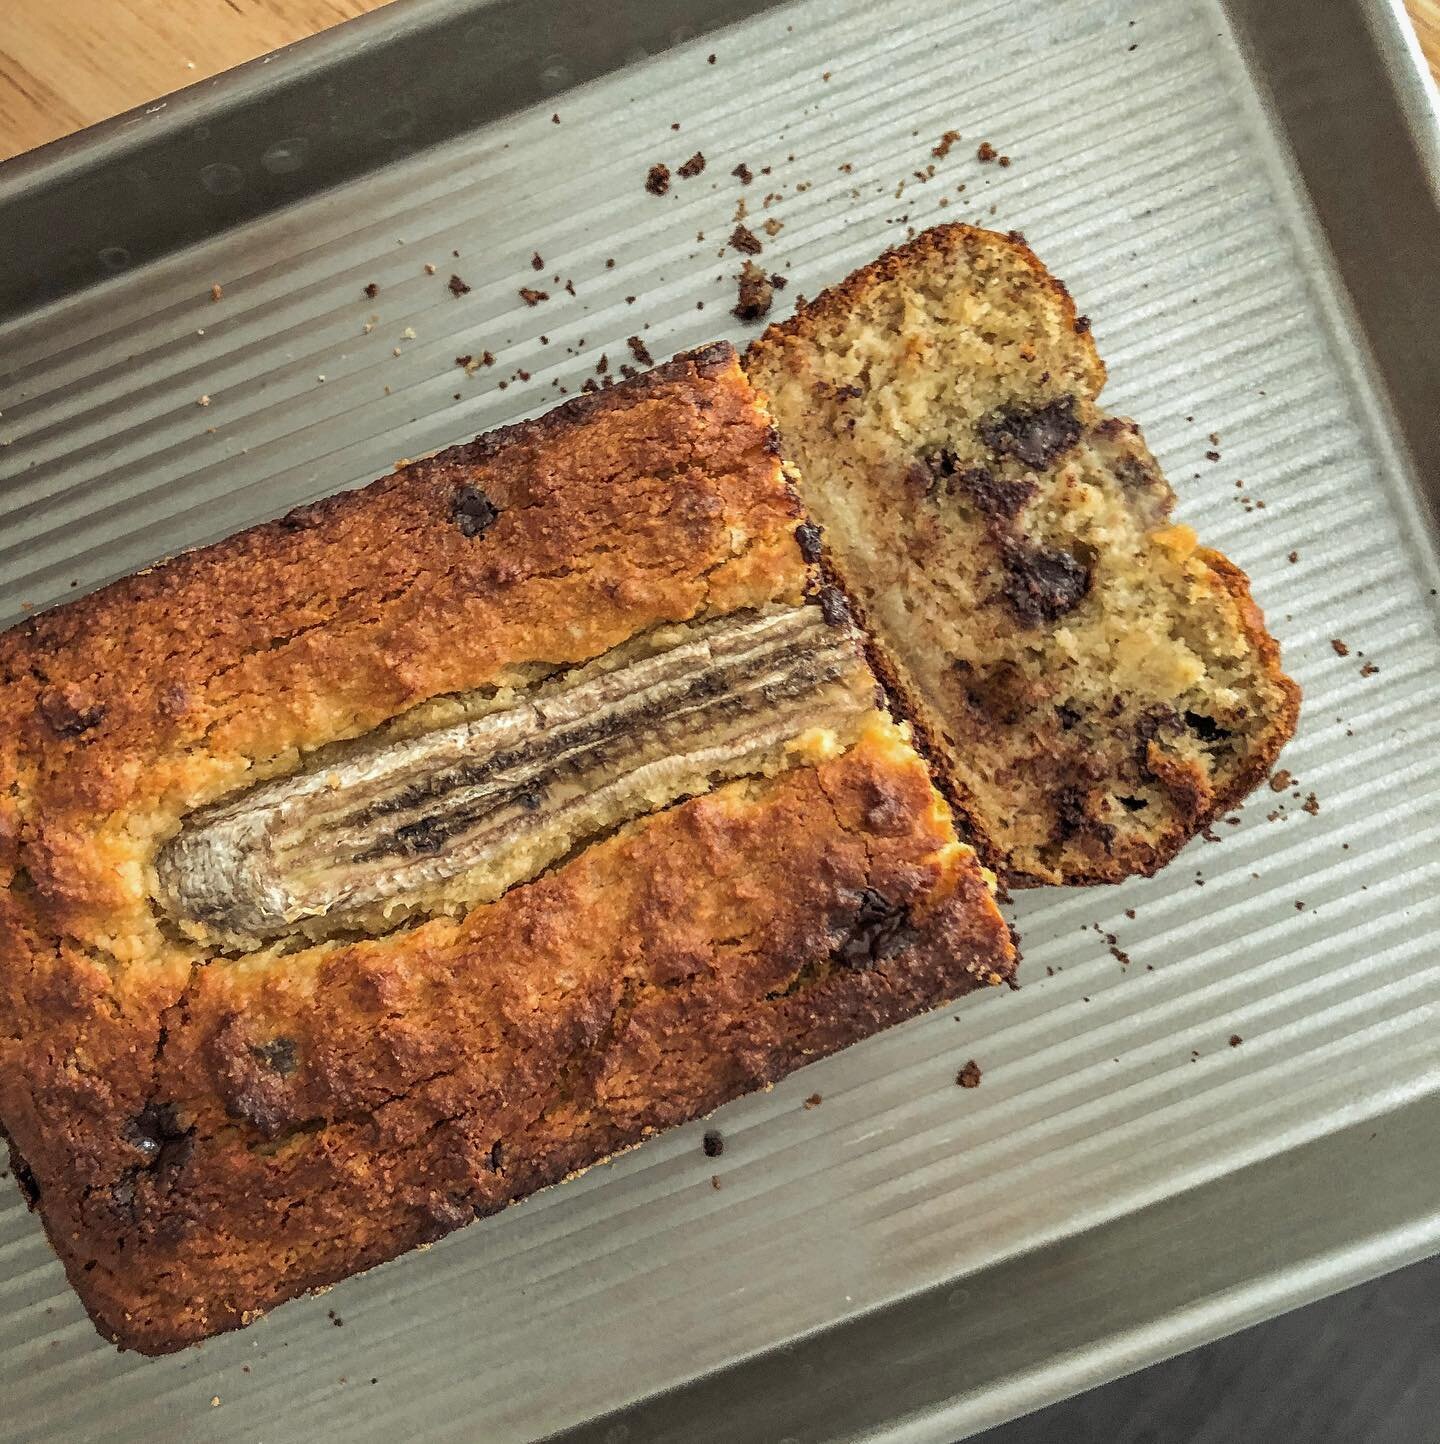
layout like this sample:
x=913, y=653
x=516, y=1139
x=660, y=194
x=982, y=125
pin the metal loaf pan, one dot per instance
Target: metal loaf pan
x=1245, y=197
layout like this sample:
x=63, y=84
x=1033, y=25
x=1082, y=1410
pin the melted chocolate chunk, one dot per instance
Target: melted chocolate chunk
x=1158, y=719
x=878, y=930
x=1067, y=716
x=833, y=605
x=157, y=1133
x=1042, y=584
x=807, y=534
x=279, y=1054
x=67, y=712
x=473, y=512
x=1034, y=435
x=1072, y=818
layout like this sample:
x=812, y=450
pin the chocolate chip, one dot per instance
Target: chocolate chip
x=473, y=512
x=999, y=498
x=279, y=1054
x=834, y=607
x=68, y=712
x=808, y=536
x=877, y=930
x=1072, y=817
x=713, y=1144
x=1042, y=584
x=157, y=1133
x=1034, y=435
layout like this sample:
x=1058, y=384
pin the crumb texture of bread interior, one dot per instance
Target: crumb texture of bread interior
x=365, y=872
x=1096, y=685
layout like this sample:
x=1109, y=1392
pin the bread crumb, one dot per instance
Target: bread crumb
x=1236, y=1040
x=202, y=400
x=1341, y=650
x=755, y=293
x=1281, y=780
x=532, y=297
x=743, y=173
x=814, y=1101
x=692, y=167
x=986, y=153
x=743, y=239
x=217, y=292
x=969, y=1076
x=942, y=148
x=657, y=179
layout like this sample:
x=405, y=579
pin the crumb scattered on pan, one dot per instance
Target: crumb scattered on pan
x=710, y=59
x=1341, y=650
x=371, y=289
x=986, y=153
x=458, y=287
x=532, y=297
x=657, y=179
x=537, y=262
x=1311, y=805
x=714, y=1180
x=743, y=173
x=1236, y=1040
x=773, y=227
x=755, y=293
x=692, y=167
x=1293, y=558
x=713, y=1143
x=942, y=147
x=744, y=240
x=202, y=400
x=638, y=351
x=969, y=1076
x=1369, y=669
x=1281, y=780
x=1212, y=456
x=814, y=1101
x=217, y=292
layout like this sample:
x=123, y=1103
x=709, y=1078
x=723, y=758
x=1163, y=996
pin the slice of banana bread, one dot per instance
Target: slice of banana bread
x=382, y=864
x=1094, y=685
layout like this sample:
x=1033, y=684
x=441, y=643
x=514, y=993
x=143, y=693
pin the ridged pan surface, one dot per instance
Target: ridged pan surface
x=1269, y=988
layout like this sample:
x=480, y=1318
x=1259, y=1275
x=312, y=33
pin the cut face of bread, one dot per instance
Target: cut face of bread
x=1095, y=686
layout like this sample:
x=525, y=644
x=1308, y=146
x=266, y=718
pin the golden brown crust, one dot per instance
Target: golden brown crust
x=211, y=1135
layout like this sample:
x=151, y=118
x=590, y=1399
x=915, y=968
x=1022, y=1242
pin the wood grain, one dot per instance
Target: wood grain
x=65, y=64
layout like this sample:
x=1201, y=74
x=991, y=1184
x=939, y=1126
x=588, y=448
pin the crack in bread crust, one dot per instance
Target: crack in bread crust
x=459, y=814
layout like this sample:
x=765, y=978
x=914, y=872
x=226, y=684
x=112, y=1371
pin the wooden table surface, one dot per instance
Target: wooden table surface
x=65, y=64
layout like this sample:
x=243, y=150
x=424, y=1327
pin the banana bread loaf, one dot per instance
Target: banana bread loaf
x=1094, y=686
x=382, y=864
